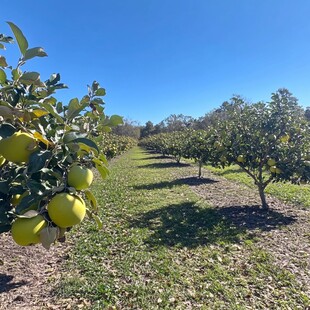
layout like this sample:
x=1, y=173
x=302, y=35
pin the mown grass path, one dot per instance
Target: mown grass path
x=171, y=241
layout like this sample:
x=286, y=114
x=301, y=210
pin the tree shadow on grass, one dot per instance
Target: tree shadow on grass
x=164, y=165
x=6, y=283
x=191, y=181
x=152, y=157
x=188, y=225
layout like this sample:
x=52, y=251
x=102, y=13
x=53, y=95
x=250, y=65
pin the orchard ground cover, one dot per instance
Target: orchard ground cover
x=171, y=241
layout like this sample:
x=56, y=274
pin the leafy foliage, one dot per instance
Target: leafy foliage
x=61, y=135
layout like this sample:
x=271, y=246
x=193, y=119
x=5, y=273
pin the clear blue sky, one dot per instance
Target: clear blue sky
x=162, y=57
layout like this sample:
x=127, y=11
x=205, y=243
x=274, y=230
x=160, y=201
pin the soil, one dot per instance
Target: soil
x=28, y=274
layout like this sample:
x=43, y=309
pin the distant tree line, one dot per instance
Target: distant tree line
x=179, y=122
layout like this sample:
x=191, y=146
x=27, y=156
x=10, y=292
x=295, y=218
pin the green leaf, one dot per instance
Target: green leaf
x=20, y=38
x=59, y=107
x=34, y=52
x=2, y=46
x=116, y=120
x=103, y=158
x=75, y=108
x=92, y=199
x=3, y=62
x=38, y=160
x=98, y=221
x=100, y=92
x=46, y=105
x=4, y=187
x=27, y=201
x=54, y=78
x=104, y=171
x=16, y=73
x=4, y=228
x=2, y=76
x=71, y=136
x=48, y=236
x=6, y=130
x=28, y=215
x=29, y=78
x=88, y=142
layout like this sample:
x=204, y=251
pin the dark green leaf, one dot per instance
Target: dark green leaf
x=4, y=228
x=6, y=130
x=20, y=38
x=4, y=187
x=26, y=202
x=54, y=78
x=59, y=107
x=38, y=160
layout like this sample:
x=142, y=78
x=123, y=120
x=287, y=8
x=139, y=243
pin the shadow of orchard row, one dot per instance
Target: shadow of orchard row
x=191, y=181
x=188, y=225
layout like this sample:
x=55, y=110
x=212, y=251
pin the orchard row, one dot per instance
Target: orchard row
x=269, y=141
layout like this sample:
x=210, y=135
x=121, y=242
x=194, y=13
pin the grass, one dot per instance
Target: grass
x=163, y=247
x=296, y=194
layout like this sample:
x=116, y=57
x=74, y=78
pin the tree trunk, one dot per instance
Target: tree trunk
x=199, y=171
x=262, y=195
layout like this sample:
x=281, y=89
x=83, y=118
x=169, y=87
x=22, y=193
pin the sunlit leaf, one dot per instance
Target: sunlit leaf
x=3, y=62
x=88, y=142
x=2, y=76
x=100, y=92
x=115, y=120
x=20, y=38
x=98, y=221
x=29, y=78
x=92, y=199
x=28, y=215
x=52, y=111
x=34, y=52
x=104, y=171
x=38, y=113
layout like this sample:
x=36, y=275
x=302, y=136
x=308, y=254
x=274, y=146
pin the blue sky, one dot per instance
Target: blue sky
x=161, y=57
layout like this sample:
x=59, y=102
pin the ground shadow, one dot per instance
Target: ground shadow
x=6, y=283
x=188, y=225
x=191, y=181
x=164, y=165
x=230, y=171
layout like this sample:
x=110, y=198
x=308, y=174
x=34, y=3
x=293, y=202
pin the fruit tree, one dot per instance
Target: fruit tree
x=47, y=150
x=269, y=141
